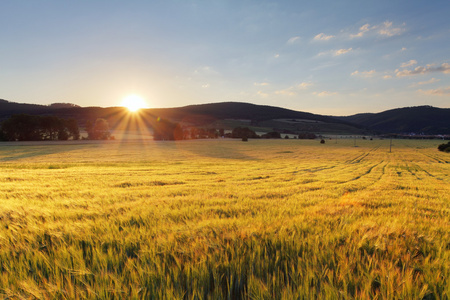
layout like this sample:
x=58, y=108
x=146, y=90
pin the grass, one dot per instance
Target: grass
x=223, y=219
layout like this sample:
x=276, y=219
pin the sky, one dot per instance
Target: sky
x=326, y=56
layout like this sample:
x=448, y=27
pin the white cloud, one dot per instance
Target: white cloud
x=432, y=80
x=324, y=93
x=262, y=94
x=286, y=92
x=437, y=92
x=261, y=83
x=276, y=55
x=304, y=85
x=444, y=68
x=293, y=40
x=387, y=76
x=384, y=29
x=323, y=37
x=293, y=90
x=410, y=63
x=365, y=74
x=205, y=86
x=362, y=30
x=341, y=51
x=387, y=29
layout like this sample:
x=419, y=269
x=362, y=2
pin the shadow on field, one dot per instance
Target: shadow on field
x=212, y=149
x=14, y=153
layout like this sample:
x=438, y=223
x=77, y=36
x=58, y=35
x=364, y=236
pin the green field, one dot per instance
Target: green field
x=224, y=219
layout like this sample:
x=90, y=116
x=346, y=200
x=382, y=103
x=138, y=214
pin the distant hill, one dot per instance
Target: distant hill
x=8, y=108
x=263, y=118
x=239, y=110
x=419, y=119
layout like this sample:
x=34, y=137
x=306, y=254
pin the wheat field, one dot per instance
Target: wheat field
x=224, y=219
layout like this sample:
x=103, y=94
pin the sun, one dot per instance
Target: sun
x=134, y=103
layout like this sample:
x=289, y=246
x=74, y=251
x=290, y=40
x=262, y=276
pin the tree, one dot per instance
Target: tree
x=240, y=132
x=50, y=126
x=98, y=131
x=72, y=127
x=166, y=130
x=444, y=147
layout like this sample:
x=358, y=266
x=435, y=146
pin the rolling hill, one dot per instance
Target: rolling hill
x=263, y=118
x=419, y=119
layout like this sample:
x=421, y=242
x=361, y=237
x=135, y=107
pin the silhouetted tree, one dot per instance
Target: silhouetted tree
x=72, y=127
x=166, y=130
x=50, y=126
x=444, y=147
x=98, y=131
x=240, y=132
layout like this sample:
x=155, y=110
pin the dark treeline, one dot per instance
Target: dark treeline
x=25, y=127
x=247, y=133
x=38, y=128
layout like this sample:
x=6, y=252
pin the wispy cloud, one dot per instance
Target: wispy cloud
x=293, y=40
x=365, y=74
x=286, y=92
x=262, y=94
x=388, y=30
x=205, y=86
x=293, y=90
x=304, y=85
x=261, y=84
x=432, y=80
x=323, y=37
x=410, y=63
x=362, y=30
x=437, y=92
x=335, y=52
x=324, y=93
x=342, y=51
x=444, y=68
x=384, y=29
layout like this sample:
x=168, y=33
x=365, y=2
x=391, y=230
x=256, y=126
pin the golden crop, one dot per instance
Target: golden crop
x=223, y=219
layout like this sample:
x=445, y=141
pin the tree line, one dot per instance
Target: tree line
x=25, y=127
x=38, y=128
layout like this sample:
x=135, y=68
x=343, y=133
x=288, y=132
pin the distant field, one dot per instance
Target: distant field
x=224, y=219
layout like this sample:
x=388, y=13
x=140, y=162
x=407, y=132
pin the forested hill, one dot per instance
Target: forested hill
x=8, y=108
x=200, y=115
x=240, y=110
x=419, y=119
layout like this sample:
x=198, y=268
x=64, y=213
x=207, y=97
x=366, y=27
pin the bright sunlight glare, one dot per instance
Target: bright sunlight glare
x=134, y=103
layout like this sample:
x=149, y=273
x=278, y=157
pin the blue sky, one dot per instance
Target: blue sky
x=326, y=57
